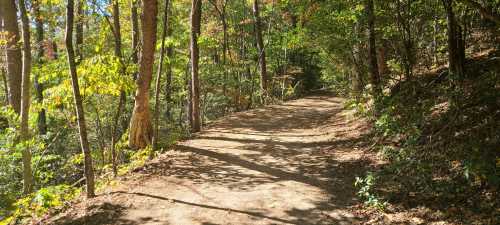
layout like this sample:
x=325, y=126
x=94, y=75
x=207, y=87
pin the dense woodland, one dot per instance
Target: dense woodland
x=93, y=88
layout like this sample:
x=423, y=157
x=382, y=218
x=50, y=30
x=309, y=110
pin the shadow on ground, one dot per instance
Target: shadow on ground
x=266, y=146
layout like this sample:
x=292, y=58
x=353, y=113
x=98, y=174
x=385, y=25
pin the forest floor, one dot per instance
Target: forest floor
x=292, y=163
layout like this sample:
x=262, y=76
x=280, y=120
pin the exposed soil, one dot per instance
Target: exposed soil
x=293, y=163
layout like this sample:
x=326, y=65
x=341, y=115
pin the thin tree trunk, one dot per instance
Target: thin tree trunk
x=25, y=102
x=79, y=30
x=2, y=68
x=195, y=54
x=372, y=51
x=170, y=55
x=135, y=33
x=455, y=65
x=158, y=77
x=189, y=104
x=357, y=82
x=168, y=86
x=5, y=85
x=140, y=123
x=260, y=48
x=14, y=61
x=42, y=118
x=122, y=99
x=88, y=167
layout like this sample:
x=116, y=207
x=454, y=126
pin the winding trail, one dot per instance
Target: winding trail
x=292, y=163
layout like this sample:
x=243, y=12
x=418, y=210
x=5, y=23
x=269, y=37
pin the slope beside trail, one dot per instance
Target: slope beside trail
x=293, y=163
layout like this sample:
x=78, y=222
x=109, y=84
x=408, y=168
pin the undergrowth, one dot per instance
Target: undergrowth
x=56, y=198
x=440, y=138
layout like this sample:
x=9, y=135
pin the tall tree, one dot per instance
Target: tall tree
x=135, y=33
x=357, y=80
x=260, y=48
x=121, y=102
x=79, y=29
x=140, y=123
x=3, y=62
x=14, y=61
x=170, y=55
x=42, y=118
x=158, y=75
x=25, y=96
x=88, y=167
x=456, y=50
x=195, y=55
x=372, y=50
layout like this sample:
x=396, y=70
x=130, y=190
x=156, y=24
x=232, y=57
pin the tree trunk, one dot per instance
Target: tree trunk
x=122, y=99
x=168, y=86
x=260, y=48
x=372, y=51
x=3, y=62
x=5, y=85
x=357, y=82
x=135, y=33
x=42, y=118
x=455, y=49
x=25, y=96
x=79, y=30
x=189, y=104
x=88, y=168
x=158, y=76
x=195, y=54
x=140, y=123
x=14, y=61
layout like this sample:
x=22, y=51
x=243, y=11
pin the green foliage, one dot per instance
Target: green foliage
x=365, y=192
x=39, y=203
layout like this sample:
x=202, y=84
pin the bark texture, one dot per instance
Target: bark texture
x=195, y=55
x=28, y=180
x=79, y=30
x=260, y=48
x=88, y=167
x=456, y=50
x=140, y=123
x=14, y=60
x=372, y=50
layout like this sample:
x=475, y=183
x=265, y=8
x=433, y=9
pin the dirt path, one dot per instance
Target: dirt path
x=293, y=163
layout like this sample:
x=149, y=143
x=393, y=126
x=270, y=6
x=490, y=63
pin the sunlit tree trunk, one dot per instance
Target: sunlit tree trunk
x=260, y=48
x=158, y=76
x=14, y=61
x=140, y=123
x=357, y=81
x=88, y=167
x=195, y=54
x=25, y=99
